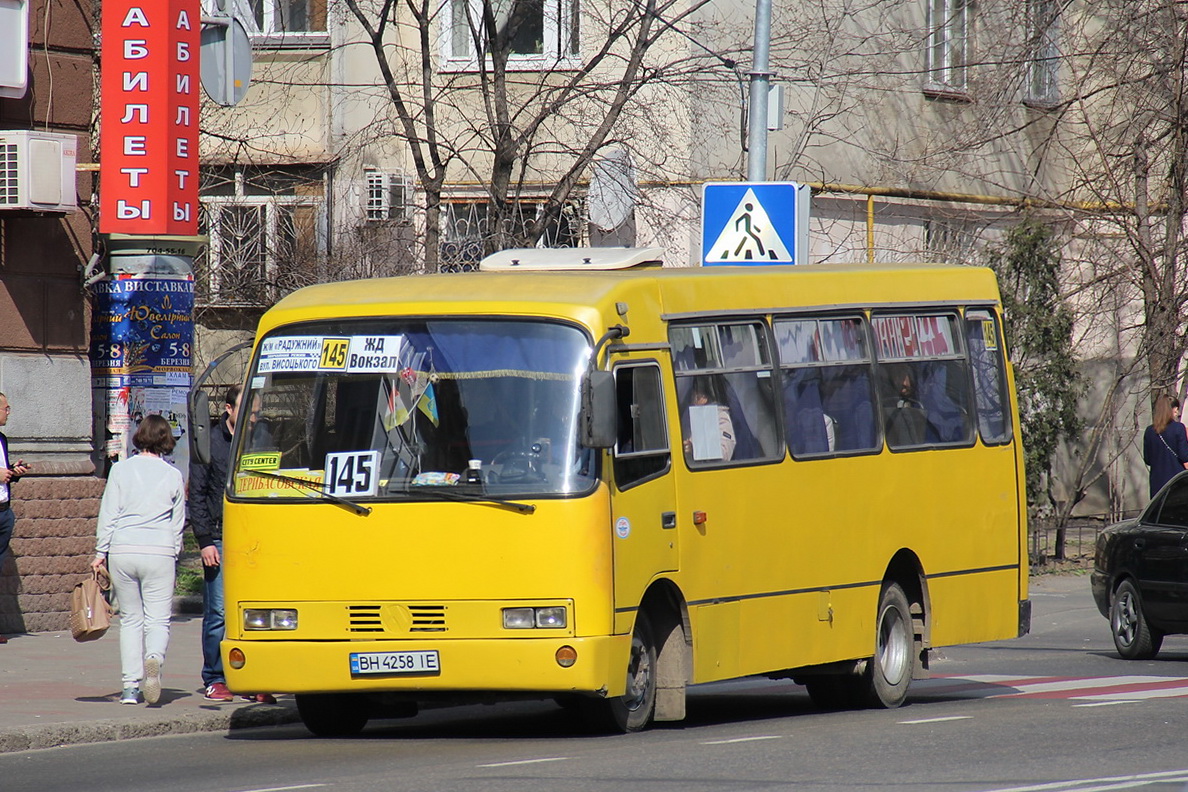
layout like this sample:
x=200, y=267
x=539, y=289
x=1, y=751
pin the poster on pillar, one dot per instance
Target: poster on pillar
x=141, y=352
x=148, y=164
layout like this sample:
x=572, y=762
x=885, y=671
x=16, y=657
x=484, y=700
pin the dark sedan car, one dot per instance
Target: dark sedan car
x=1140, y=573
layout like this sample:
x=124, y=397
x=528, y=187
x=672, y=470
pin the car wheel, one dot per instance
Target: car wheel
x=1134, y=638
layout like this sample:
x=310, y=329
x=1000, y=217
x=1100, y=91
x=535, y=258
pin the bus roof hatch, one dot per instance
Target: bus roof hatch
x=556, y=259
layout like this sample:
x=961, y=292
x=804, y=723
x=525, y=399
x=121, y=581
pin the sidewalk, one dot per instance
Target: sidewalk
x=54, y=691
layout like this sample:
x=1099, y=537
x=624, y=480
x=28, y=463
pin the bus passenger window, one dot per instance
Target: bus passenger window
x=923, y=381
x=828, y=394
x=726, y=392
x=986, y=360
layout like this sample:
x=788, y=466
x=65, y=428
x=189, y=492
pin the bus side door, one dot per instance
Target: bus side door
x=643, y=500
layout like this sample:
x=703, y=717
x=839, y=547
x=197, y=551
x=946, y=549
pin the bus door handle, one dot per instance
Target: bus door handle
x=668, y=519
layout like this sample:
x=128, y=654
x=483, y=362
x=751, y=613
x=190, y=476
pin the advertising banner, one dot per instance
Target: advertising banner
x=141, y=353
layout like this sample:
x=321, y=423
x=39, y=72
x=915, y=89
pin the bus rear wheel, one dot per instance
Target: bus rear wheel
x=889, y=673
x=632, y=711
x=332, y=714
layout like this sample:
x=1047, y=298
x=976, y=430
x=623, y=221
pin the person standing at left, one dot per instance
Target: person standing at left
x=9, y=472
x=138, y=538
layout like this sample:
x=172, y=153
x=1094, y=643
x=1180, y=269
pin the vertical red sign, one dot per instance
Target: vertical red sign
x=148, y=142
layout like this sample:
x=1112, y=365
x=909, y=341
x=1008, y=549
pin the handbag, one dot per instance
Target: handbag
x=90, y=612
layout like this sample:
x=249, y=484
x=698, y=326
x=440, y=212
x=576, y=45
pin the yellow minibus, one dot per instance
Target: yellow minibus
x=578, y=475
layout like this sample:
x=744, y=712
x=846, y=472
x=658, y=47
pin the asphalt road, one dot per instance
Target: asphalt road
x=1056, y=710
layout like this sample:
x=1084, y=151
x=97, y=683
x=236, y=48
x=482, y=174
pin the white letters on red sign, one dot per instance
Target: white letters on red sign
x=149, y=136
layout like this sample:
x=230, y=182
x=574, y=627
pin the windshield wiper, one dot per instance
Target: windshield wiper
x=357, y=508
x=461, y=497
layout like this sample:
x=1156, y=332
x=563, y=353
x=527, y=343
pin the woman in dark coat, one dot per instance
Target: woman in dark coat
x=1165, y=444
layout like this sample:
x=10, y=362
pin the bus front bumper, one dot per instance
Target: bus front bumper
x=527, y=665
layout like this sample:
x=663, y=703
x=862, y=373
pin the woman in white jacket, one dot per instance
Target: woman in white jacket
x=139, y=537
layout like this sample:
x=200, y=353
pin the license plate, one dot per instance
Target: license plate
x=424, y=662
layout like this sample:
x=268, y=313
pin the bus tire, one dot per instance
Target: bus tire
x=1134, y=637
x=632, y=711
x=889, y=673
x=332, y=714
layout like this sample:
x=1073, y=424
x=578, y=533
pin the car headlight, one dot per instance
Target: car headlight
x=269, y=619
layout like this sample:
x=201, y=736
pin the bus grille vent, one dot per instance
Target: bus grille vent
x=427, y=618
x=365, y=618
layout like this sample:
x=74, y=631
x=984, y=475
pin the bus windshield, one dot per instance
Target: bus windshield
x=399, y=409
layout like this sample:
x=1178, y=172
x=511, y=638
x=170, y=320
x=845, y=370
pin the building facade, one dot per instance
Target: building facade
x=45, y=248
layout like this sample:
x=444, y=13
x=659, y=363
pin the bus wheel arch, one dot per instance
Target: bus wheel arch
x=906, y=570
x=669, y=616
x=657, y=669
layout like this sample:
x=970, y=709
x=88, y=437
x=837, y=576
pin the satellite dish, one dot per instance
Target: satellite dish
x=226, y=60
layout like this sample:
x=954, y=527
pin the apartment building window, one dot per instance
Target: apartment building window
x=539, y=33
x=386, y=195
x=267, y=232
x=277, y=24
x=947, y=53
x=289, y=16
x=1043, y=18
x=468, y=231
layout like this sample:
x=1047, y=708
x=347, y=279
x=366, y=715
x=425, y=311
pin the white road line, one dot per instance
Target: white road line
x=741, y=740
x=1102, y=784
x=526, y=762
x=936, y=720
x=287, y=788
x=1108, y=703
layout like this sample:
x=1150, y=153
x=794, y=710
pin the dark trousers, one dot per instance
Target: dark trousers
x=7, y=520
x=212, y=622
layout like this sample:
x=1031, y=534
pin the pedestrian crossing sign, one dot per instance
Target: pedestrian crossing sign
x=751, y=223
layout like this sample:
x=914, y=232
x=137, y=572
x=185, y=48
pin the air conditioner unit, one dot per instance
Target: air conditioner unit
x=37, y=171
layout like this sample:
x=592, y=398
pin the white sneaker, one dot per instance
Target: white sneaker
x=152, y=679
x=131, y=695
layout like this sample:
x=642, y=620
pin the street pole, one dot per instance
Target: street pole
x=760, y=86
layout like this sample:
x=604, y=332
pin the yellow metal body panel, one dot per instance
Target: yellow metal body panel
x=785, y=572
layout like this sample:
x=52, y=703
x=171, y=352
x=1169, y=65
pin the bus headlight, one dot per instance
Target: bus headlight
x=551, y=618
x=269, y=619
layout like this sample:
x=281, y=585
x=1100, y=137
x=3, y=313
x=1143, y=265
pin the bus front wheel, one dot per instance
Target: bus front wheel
x=632, y=711
x=332, y=714
x=889, y=672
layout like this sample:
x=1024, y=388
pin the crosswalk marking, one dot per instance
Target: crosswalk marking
x=1090, y=690
x=1131, y=687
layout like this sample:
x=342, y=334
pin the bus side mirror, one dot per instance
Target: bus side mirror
x=599, y=418
x=200, y=427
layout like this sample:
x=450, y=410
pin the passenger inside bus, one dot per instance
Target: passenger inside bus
x=709, y=429
x=907, y=421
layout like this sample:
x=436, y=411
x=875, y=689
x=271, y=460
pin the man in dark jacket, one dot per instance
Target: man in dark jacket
x=207, y=483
